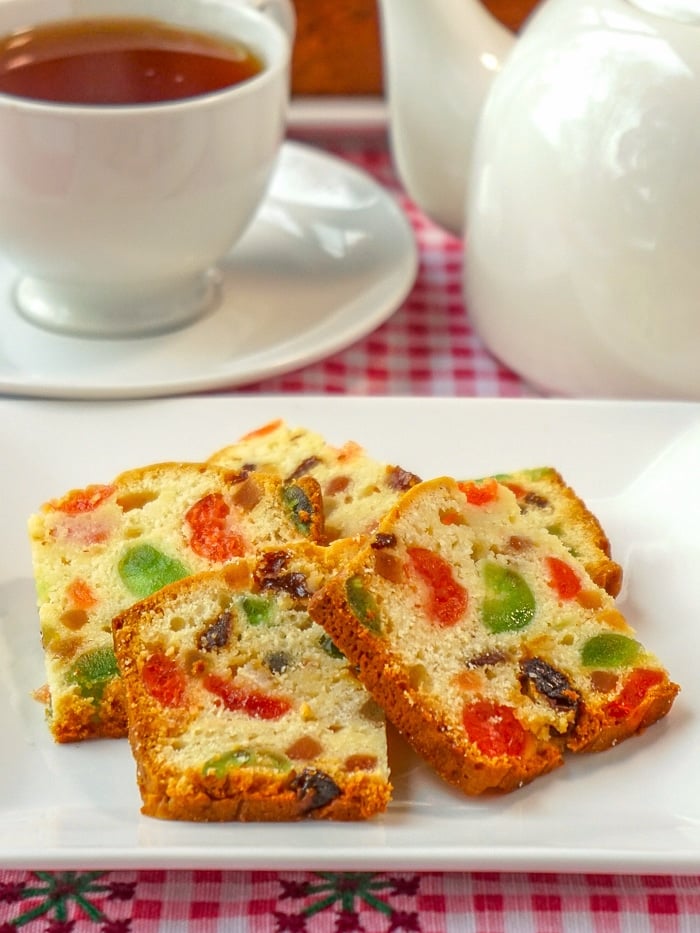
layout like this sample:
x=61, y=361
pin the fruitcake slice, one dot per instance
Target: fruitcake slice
x=358, y=490
x=485, y=641
x=240, y=707
x=97, y=550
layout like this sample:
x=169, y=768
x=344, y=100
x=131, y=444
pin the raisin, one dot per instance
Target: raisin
x=550, y=683
x=400, y=479
x=292, y=583
x=534, y=500
x=382, y=540
x=271, y=563
x=314, y=789
x=304, y=467
x=217, y=634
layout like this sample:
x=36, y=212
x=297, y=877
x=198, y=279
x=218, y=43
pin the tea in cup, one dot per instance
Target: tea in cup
x=137, y=141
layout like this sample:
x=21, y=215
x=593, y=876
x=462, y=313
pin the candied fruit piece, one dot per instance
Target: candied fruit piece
x=563, y=578
x=80, y=501
x=362, y=604
x=298, y=506
x=327, y=644
x=145, y=570
x=253, y=703
x=633, y=692
x=257, y=609
x=165, y=680
x=480, y=492
x=212, y=534
x=609, y=650
x=493, y=728
x=92, y=671
x=509, y=604
x=81, y=594
x=447, y=598
x=245, y=758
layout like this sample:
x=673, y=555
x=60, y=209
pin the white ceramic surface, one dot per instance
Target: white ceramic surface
x=633, y=809
x=582, y=211
x=328, y=258
x=116, y=215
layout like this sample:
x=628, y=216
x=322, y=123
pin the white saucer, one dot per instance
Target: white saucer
x=329, y=257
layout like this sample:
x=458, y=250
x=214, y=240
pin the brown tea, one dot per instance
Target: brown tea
x=119, y=61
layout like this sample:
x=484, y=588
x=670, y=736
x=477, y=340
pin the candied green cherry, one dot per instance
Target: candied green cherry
x=509, y=604
x=92, y=671
x=246, y=758
x=610, y=650
x=329, y=646
x=257, y=610
x=145, y=570
x=362, y=603
x=299, y=507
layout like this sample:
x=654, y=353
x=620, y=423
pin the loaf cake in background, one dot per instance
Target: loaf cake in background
x=358, y=490
x=337, y=50
x=485, y=641
x=97, y=550
x=240, y=707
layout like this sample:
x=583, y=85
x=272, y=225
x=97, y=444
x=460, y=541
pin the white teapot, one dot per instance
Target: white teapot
x=570, y=161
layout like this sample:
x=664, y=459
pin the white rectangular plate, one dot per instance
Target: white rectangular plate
x=635, y=808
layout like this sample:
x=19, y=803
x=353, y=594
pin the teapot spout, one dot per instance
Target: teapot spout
x=440, y=57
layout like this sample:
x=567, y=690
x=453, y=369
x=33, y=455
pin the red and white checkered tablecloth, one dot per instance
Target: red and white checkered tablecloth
x=427, y=347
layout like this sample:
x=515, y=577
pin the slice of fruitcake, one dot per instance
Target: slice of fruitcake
x=240, y=707
x=485, y=641
x=97, y=550
x=358, y=490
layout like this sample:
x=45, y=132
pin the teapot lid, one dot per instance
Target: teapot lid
x=686, y=11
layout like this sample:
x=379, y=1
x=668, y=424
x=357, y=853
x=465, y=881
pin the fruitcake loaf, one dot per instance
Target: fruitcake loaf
x=240, y=707
x=97, y=550
x=485, y=641
x=358, y=490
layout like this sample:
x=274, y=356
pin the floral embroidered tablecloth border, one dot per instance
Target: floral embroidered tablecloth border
x=344, y=902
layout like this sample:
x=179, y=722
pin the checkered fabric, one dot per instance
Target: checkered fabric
x=328, y=902
x=426, y=348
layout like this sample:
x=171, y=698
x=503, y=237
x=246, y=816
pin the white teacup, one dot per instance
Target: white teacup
x=116, y=216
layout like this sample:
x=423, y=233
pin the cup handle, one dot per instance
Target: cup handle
x=282, y=11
